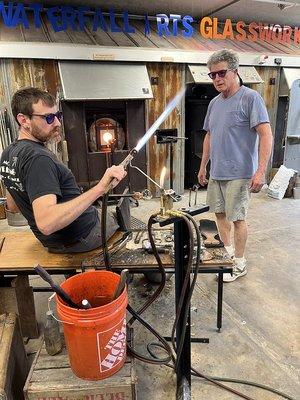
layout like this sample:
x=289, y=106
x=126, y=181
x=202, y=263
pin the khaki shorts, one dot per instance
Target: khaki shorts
x=229, y=197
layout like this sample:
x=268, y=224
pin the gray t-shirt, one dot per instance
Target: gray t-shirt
x=233, y=138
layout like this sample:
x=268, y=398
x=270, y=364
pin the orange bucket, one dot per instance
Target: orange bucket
x=95, y=337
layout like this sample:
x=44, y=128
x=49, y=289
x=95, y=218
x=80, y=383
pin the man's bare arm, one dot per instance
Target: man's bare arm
x=10, y=203
x=204, y=160
x=51, y=217
x=264, y=151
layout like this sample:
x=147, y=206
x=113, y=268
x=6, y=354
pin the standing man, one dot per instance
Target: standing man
x=44, y=190
x=238, y=144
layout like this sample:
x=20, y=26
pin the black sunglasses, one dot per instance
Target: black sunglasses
x=49, y=118
x=220, y=73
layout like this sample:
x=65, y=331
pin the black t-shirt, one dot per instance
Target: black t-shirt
x=29, y=170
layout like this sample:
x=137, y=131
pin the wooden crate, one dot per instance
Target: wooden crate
x=13, y=360
x=16, y=296
x=51, y=378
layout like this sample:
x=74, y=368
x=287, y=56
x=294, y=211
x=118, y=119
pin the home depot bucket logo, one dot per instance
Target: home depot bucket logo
x=111, y=352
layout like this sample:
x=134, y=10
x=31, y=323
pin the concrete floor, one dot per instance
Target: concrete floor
x=259, y=340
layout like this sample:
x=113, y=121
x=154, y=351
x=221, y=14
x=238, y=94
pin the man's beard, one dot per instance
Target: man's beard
x=53, y=135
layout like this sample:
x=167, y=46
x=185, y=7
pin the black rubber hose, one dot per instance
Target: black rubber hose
x=106, y=257
x=178, y=345
x=213, y=379
x=186, y=309
x=161, y=286
x=136, y=314
x=164, y=344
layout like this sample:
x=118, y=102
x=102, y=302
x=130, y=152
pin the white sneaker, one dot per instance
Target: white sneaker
x=239, y=269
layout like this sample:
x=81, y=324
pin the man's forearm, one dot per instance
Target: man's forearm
x=57, y=216
x=51, y=217
x=205, y=151
x=65, y=213
x=264, y=150
x=10, y=203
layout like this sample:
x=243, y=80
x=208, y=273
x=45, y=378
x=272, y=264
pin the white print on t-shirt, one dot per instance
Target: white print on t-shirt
x=8, y=173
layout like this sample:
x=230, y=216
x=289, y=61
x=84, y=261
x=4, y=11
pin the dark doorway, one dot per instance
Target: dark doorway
x=197, y=99
x=100, y=134
x=280, y=131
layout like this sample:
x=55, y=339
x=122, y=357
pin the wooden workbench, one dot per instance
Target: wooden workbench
x=21, y=251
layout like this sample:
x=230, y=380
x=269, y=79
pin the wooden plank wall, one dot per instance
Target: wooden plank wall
x=39, y=73
x=170, y=80
x=17, y=73
x=44, y=74
x=269, y=90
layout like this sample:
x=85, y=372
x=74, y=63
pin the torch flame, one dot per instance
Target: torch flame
x=169, y=108
x=162, y=177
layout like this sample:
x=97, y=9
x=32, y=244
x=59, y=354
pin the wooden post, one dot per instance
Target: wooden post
x=16, y=296
x=13, y=360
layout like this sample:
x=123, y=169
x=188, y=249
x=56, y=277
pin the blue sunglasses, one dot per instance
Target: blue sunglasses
x=49, y=118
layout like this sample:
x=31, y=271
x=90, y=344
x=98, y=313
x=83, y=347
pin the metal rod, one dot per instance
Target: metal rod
x=86, y=304
x=121, y=284
x=171, y=165
x=147, y=176
x=1, y=243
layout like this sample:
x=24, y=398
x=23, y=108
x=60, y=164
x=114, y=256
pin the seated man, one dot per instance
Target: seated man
x=44, y=190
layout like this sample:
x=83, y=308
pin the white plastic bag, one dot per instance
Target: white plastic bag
x=280, y=182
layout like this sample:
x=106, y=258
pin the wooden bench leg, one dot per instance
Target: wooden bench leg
x=16, y=296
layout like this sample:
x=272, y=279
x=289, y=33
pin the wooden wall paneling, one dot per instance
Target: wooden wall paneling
x=20, y=73
x=120, y=38
x=100, y=37
x=158, y=41
x=81, y=37
x=139, y=37
x=135, y=116
x=17, y=74
x=10, y=35
x=39, y=73
x=55, y=37
x=169, y=83
x=269, y=92
x=33, y=34
x=174, y=84
x=156, y=154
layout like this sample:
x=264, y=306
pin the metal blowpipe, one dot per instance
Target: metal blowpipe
x=141, y=143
